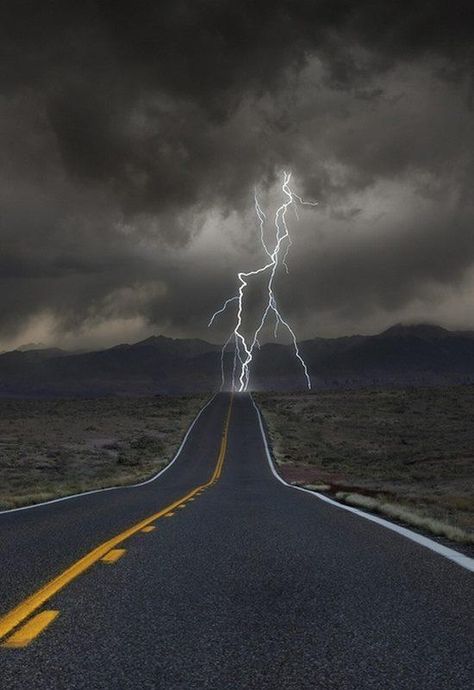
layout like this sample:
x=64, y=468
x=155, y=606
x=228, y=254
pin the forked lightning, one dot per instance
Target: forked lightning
x=244, y=346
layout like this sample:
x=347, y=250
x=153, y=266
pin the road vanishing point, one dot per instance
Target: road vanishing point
x=216, y=574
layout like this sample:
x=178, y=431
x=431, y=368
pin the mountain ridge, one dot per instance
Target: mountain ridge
x=417, y=354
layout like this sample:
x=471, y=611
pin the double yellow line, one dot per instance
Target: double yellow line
x=222, y=449
x=22, y=611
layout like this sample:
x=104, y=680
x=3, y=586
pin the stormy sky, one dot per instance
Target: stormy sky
x=133, y=134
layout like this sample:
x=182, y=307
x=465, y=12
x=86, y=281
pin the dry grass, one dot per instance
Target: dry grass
x=410, y=517
x=59, y=447
x=410, y=448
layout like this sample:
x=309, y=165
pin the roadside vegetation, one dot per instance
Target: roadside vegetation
x=52, y=448
x=407, y=454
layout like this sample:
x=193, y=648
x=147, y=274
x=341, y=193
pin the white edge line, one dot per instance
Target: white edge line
x=124, y=486
x=464, y=561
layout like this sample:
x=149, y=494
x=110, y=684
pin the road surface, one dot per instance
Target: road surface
x=241, y=582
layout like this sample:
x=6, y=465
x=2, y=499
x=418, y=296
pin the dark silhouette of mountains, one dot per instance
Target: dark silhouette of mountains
x=400, y=356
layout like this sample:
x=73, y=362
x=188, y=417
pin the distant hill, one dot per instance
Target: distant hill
x=401, y=355
x=421, y=355
x=155, y=365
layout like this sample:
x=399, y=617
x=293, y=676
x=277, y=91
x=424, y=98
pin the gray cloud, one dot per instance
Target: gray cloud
x=127, y=129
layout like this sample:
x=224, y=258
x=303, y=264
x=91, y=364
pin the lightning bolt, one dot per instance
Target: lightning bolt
x=244, y=346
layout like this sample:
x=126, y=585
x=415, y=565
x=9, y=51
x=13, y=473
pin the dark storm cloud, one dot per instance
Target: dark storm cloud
x=148, y=114
x=136, y=90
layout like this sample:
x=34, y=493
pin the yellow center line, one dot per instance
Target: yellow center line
x=25, y=608
x=30, y=630
x=220, y=460
x=113, y=556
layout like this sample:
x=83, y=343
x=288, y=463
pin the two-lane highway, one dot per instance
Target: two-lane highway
x=220, y=576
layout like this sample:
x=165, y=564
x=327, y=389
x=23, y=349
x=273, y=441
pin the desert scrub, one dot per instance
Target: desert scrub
x=415, y=446
x=416, y=518
x=51, y=448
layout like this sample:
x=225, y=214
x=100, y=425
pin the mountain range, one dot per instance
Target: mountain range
x=421, y=355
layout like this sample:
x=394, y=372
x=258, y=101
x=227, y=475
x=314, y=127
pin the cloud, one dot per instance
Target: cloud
x=133, y=135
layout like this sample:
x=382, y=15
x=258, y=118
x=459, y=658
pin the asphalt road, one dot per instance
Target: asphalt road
x=247, y=584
